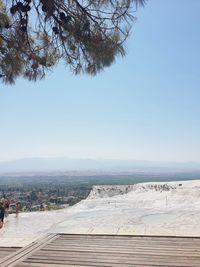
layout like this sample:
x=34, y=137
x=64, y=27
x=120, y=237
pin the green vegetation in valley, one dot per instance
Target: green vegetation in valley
x=48, y=192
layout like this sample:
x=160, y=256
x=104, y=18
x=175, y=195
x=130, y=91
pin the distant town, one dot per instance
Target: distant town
x=39, y=194
x=41, y=200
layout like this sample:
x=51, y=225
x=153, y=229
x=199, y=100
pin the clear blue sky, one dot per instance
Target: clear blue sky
x=145, y=107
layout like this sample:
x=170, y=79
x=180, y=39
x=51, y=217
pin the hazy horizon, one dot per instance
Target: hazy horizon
x=63, y=164
x=100, y=158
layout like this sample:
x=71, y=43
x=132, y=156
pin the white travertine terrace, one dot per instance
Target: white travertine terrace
x=171, y=208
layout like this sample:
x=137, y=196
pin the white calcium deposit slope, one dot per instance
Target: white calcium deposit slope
x=171, y=208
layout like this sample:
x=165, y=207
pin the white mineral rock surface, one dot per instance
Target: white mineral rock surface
x=171, y=208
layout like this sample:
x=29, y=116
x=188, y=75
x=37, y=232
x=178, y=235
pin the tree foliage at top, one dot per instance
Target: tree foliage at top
x=86, y=34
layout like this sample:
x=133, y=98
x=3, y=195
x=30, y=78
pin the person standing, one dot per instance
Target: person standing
x=6, y=206
x=2, y=212
x=17, y=208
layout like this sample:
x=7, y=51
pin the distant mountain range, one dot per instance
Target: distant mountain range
x=93, y=165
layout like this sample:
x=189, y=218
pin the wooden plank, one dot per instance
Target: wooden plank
x=64, y=237
x=95, y=262
x=74, y=262
x=118, y=237
x=7, y=251
x=128, y=246
x=33, y=264
x=79, y=254
x=130, y=237
x=117, y=246
x=9, y=248
x=113, y=250
x=2, y=253
x=125, y=246
x=115, y=259
x=156, y=248
x=86, y=239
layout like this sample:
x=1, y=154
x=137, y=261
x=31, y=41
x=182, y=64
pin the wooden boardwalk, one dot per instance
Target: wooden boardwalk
x=70, y=250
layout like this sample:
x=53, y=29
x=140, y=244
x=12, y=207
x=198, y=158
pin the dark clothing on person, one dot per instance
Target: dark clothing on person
x=2, y=213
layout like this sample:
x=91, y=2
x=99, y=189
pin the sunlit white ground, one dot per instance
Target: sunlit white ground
x=149, y=208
